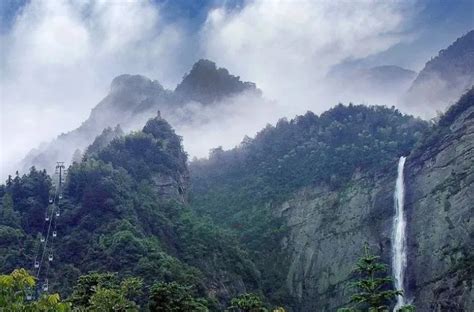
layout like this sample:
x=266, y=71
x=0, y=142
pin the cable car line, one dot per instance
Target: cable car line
x=49, y=222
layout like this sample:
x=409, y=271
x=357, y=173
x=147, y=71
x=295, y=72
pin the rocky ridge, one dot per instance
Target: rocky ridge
x=133, y=99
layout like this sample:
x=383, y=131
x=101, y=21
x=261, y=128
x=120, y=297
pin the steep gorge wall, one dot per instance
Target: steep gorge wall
x=440, y=210
x=327, y=231
x=325, y=206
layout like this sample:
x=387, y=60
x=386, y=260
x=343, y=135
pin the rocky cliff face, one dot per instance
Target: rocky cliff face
x=440, y=209
x=327, y=231
x=172, y=187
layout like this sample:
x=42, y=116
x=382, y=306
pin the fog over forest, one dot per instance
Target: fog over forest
x=59, y=58
x=236, y=155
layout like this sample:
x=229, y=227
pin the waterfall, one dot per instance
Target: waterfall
x=399, y=248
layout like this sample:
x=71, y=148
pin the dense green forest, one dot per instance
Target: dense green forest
x=107, y=292
x=99, y=292
x=113, y=219
x=220, y=240
x=239, y=188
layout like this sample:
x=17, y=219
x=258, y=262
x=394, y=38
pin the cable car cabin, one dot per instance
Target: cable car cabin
x=60, y=196
x=55, y=234
x=47, y=218
x=29, y=296
x=51, y=201
x=37, y=264
x=42, y=239
x=50, y=257
x=57, y=213
x=45, y=286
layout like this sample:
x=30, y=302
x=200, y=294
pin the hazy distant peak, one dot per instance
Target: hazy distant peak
x=452, y=62
x=387, y=76
x=392, y=70
x=207, y=83
x=136, y=83
x=445, y=77
x=373, y=75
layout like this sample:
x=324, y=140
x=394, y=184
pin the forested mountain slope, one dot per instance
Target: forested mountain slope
x=306, y=224
x=284, y=214
x=306, y=194
x=124, y=210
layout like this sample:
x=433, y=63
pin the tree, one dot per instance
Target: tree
x=173, y=297
x=77, y=156
x=7, y=215
x=105, y=299
x=16, y=295
x=373, y=286
x=247, y=303
x=104, y=292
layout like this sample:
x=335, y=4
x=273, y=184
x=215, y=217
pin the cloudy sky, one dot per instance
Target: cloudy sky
x=57, y=58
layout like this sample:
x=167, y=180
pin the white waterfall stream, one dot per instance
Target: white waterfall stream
x=399, y=252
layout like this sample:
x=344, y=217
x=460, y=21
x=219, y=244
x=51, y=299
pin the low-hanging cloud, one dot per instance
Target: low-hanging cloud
x=60, y=56
x=288, y=47
x=58, y=59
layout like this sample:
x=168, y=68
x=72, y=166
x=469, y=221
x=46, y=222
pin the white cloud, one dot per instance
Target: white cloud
x=287, y=47
x=224, y=124
x=60, y=56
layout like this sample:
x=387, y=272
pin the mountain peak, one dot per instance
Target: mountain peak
x=206, y=83
x=135, y=83
x=445, y=77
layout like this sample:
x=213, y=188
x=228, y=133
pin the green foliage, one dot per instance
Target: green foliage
x=102, y=140
x=87, y=284
x=8, y=216
x=21, y=216
x=372, y=286
x=10, y=255
x=311, y=150
x=103, y=292
x=114, y=220
x=77, y=156
x=407, y=308
x=466, y=101
x=15, y=289
x=247, y=303
x=155, y=149
x=239, y=188
x=443, y=127
x=173, y=297
x=30, y=194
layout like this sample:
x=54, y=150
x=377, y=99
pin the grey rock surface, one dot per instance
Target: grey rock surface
x=327, y=231
x=440, y=210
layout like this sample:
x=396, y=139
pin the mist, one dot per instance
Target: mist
x=58, y=60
